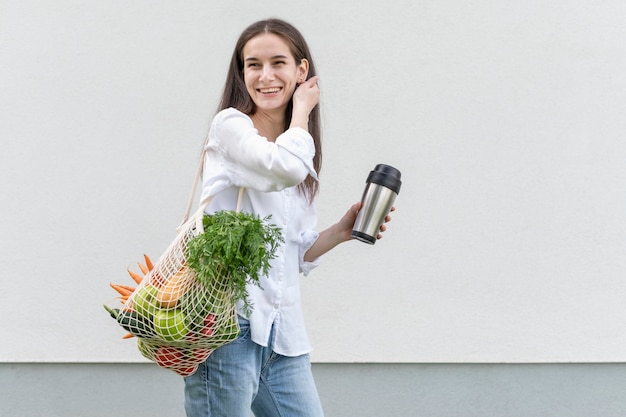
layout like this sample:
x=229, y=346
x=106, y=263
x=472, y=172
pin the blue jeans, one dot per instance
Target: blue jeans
x=243, y=376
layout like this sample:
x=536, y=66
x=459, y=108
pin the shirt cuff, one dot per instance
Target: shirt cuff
x=309, y=237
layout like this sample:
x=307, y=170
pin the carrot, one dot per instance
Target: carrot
x=128, y=336
x=149, y=263
x=127, y=287
x=136, y=277
x=143, y=268
x=123, y=291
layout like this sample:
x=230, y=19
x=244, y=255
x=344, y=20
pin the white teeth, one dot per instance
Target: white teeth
x=269, y=90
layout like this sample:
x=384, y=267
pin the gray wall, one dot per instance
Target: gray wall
x=347, y=390
x=506, y=119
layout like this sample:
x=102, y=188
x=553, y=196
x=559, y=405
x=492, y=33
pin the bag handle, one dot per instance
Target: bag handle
x=196, y=181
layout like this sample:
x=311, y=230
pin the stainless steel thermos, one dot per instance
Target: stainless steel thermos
x=382, y=187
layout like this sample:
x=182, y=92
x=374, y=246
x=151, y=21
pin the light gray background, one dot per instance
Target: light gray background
x=506, y=252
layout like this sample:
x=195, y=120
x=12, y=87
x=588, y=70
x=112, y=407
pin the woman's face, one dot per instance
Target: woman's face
x=271, y=73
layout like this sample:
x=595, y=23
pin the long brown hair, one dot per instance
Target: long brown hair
x=236, y=95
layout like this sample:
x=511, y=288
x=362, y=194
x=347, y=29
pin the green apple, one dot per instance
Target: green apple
x=145, y=301
x=170, y=324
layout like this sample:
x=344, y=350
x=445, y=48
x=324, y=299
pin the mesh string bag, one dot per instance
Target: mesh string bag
x=179, y=321
x=178, y=316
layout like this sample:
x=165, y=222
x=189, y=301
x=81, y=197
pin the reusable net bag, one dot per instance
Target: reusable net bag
x=179, y=317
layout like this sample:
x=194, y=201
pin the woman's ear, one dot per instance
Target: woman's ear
x=303, y=70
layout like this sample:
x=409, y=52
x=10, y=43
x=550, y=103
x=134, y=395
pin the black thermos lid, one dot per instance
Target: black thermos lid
x=387, y=176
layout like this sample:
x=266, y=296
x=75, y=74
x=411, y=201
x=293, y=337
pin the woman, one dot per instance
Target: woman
x=266, y=138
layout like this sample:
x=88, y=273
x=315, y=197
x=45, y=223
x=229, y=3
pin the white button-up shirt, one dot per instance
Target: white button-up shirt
x=237, y=156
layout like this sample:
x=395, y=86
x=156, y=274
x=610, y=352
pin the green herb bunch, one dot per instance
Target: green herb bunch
x=235, y=246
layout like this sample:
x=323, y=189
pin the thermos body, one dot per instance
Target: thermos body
x=376, y=203
x=383, y=185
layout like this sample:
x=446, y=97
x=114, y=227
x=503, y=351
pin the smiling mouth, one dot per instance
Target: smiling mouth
x=269, y=90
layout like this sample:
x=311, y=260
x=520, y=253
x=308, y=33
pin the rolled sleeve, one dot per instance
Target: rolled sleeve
x=299, y=143
x=254, y=162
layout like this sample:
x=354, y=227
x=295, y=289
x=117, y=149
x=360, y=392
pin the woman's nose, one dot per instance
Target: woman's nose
x=267, y=73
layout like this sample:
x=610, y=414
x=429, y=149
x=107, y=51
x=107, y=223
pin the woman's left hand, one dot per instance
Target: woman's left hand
x=346, y=224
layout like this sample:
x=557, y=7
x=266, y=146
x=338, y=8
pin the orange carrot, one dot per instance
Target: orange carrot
x=128, y=336
x=136, y=277
x=122, y=291
x=149, y=263
x=127, y=287
x=143, y=268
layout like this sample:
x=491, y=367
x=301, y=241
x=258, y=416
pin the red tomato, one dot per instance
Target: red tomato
x=168, y=357
x=210, y=320
x=207, y=331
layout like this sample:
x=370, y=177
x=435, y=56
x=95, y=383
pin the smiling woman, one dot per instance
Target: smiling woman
x=266, y=140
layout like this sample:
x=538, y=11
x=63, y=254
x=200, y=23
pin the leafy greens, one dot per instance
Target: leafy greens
x=236, y=246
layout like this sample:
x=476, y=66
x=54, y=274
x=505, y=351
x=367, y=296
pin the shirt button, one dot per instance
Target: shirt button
x=275, y=306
